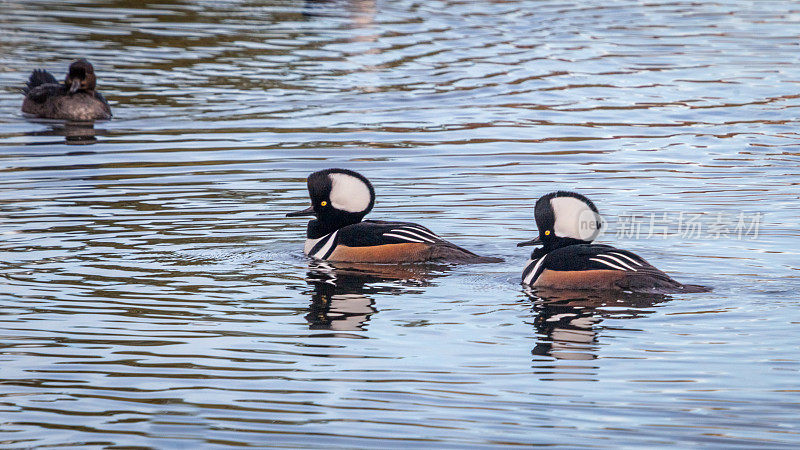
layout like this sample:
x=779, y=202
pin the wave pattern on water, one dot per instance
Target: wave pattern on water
x=155, y=295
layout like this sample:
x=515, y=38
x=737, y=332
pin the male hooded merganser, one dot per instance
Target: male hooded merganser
x=340, y=198
x=74, y=100
x=568, y=223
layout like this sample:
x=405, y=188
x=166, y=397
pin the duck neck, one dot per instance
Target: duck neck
x=65, y=90
x=554, y=244
x=318, y=228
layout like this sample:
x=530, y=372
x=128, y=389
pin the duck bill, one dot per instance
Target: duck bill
x=76, y=84
x=534, y=241
x=306, y=212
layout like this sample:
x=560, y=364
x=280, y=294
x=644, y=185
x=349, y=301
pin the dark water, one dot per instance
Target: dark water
x=153, y=294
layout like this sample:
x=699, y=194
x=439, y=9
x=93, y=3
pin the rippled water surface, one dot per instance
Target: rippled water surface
x=153, y=293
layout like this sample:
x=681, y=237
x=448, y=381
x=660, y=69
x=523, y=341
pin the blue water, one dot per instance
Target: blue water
x=153, y=293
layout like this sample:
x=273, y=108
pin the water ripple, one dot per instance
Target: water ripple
x=155, y=295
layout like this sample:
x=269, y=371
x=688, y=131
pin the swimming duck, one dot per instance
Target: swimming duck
x=340, y=199
x=568, y=222
x=74, y=100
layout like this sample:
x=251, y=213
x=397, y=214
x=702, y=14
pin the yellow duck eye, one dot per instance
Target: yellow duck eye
x=324, y=203
x=547, y=233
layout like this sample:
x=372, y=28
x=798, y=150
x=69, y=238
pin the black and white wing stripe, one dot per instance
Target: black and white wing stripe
x=532, y=270
x=618, y=261
x=412, y=233
x=324, y=246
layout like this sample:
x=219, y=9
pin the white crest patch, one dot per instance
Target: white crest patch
x=574, y=219
x=349, y=193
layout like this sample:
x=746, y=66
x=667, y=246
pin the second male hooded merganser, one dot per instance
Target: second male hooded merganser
x=340, y=199
x=568, y=223
x=74, y=100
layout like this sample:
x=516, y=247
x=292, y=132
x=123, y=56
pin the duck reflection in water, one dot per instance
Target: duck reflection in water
x=342, y=296
x=74, y=133
x=568, y=322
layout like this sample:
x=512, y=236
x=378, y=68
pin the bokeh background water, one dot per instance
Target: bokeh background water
x=153, y=293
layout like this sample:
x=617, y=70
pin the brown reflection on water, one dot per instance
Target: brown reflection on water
x=74, y=133
x=342, y=296
x=568, y=322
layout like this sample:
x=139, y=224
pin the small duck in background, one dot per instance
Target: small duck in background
x=568, y=222
x=340, y=199
x=75, y=100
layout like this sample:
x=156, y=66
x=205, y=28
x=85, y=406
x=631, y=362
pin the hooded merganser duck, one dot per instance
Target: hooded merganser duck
x=340, y=198
x=568, y=223
x=74, y=100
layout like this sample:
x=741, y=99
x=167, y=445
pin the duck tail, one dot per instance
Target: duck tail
x=694, y=288
x=448, y=252
x=38, y=78
x=486, y=260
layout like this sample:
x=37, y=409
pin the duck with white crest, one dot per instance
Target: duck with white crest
x=568, y=222
x=340, y=199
